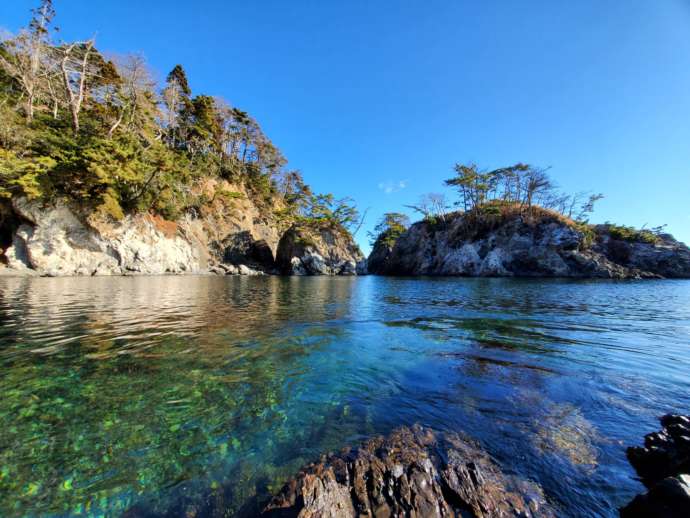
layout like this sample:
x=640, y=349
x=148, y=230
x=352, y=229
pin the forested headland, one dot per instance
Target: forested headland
x=96, y=129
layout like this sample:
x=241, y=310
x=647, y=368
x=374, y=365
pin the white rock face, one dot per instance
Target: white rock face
x=226, y=240
x=60, y=244
x=462, y=261
x=243, y=269
x=492, y=265
x=297, y=268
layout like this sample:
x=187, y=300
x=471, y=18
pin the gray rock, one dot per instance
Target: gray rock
x=232, y=269
x=547, y=247
x=243, y=269
x=324, y=250
x=57, y=240
x=362, y=267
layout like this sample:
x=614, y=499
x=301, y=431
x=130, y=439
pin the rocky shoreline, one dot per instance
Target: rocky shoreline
x=236, y=237
x=227, y=239
x=545, y=245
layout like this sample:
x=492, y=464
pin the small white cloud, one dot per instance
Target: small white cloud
x=391, y=186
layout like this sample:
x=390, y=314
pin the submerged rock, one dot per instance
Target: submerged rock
x=663, y=464
x=413, y=472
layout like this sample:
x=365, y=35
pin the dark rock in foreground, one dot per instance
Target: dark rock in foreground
x=665, y=453
x=664, y=467
x=413, y=472
x=669, y=498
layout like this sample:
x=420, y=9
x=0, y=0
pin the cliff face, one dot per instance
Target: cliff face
x=231, y=233
x=547, y=247
x=305, y=250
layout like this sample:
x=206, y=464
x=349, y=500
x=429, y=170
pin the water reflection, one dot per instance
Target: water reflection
x=165, y=396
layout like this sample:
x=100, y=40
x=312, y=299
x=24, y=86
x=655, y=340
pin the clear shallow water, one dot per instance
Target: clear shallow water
x=165, y=394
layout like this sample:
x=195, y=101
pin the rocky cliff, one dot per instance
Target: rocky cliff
x=320, y=250
x=543, y=245
x=233, y=232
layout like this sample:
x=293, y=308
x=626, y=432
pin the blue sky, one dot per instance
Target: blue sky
x=377, y=100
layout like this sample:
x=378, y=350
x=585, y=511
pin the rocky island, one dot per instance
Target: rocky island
x=513, y=243
x=513, y=222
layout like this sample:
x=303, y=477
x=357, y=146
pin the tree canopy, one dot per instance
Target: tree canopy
x=97, y=130
x=389, y=228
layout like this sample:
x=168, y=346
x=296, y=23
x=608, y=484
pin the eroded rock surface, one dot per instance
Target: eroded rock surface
x=414, y=472
x=230, y=235
x=54, y=241
x=663, y=464
x=305, y=250
x=547, y=248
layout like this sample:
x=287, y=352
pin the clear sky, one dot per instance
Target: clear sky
x=377, y=99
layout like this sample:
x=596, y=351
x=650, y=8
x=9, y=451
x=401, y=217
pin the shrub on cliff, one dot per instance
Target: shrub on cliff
x=631, y=234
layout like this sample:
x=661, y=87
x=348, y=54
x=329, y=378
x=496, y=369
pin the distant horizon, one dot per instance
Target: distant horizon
x=378, y=102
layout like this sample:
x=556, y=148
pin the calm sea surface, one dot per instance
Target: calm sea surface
x=161, y=395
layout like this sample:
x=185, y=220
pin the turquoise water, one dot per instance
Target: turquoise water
x=166, y=396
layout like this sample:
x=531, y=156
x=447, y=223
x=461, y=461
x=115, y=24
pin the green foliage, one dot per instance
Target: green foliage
x=389, y=229
x=129, y=146
x=22, y=176
x=179, y=77
x=517, y=185
x=631, y=234
x=324, y=210
x=230, y=195
x=588, y=233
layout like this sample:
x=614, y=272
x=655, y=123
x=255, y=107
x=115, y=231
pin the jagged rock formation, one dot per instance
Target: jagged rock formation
x=545, y=246
x=412, y=472
x=305, y=250
x=230, y=234
x=664, y=467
